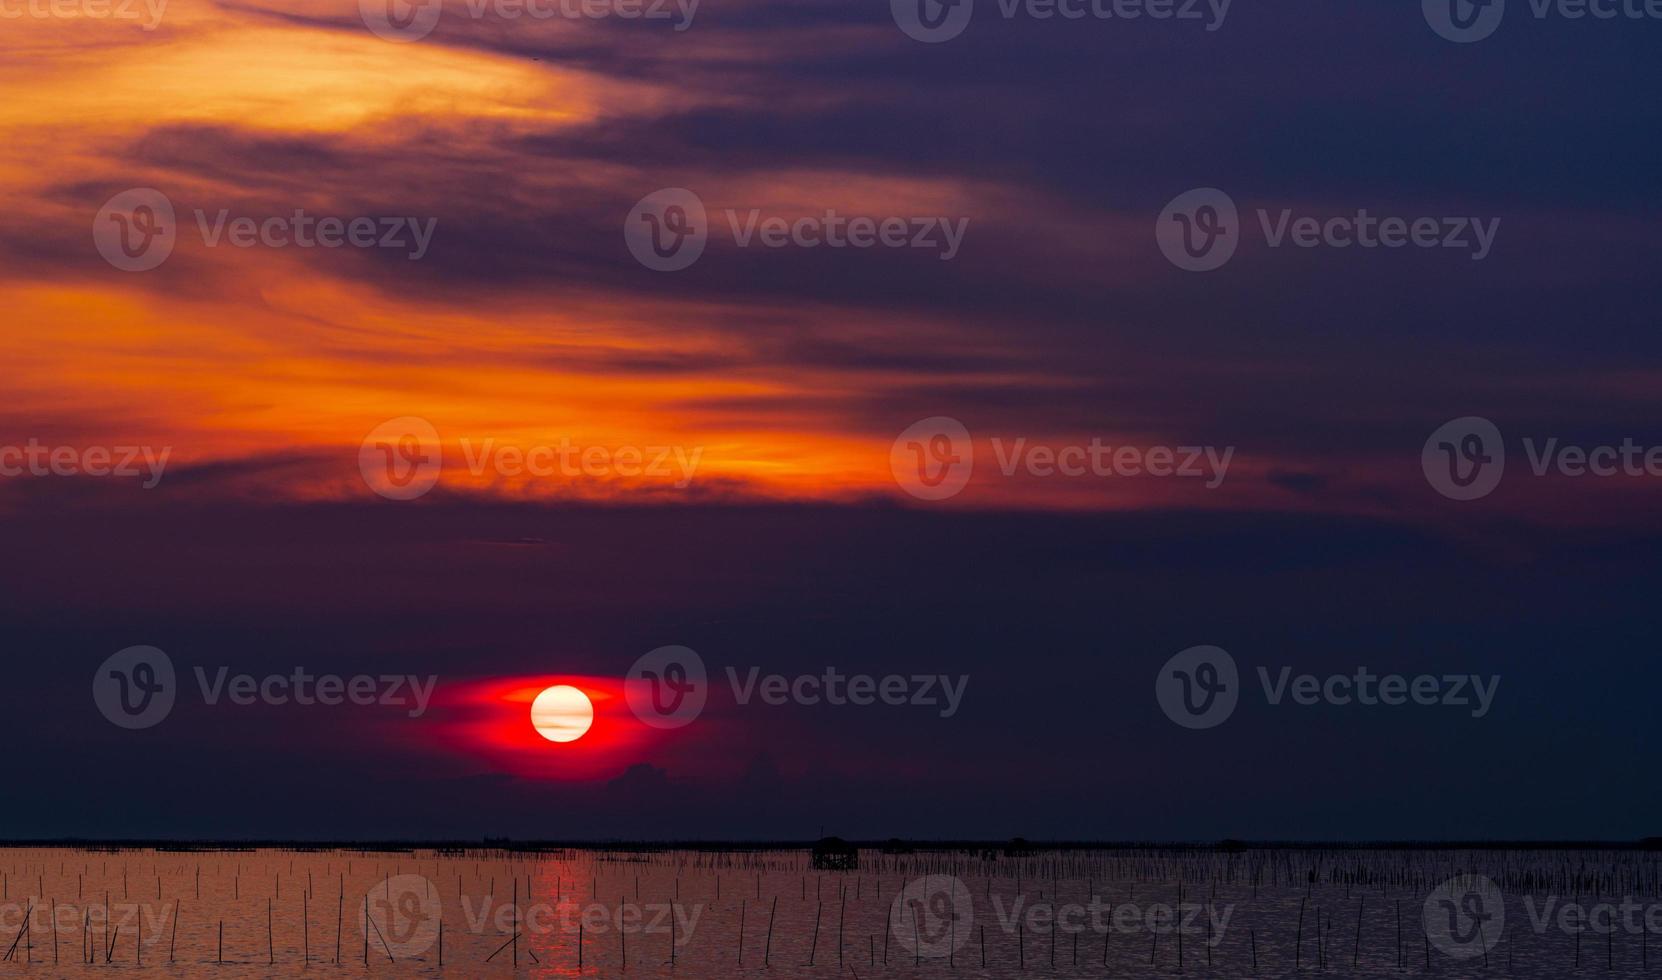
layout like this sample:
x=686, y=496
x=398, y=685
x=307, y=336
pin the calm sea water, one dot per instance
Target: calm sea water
x=72, y=912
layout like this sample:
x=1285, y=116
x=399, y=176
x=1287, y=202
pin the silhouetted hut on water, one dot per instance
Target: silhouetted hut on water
x=835, y=854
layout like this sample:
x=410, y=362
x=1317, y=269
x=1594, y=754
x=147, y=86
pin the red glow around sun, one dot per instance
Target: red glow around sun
x=491, y=719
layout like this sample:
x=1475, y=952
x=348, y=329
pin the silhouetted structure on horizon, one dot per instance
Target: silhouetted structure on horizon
x=835, y=854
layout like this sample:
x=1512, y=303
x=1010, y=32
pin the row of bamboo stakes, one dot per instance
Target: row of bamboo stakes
x=91, y=946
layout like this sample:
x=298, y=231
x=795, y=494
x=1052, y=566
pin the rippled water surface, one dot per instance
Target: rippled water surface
x=1273, y=913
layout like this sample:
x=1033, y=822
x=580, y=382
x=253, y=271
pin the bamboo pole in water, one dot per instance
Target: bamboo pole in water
x=767, y=951
x=814, y=948
x=1356, y=951
x=842, y=904
x=1298, y=942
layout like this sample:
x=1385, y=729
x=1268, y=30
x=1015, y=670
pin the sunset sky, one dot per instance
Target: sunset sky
x=788, y=374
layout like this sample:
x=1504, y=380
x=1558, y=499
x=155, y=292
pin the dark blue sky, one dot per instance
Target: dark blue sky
x=1060, y=320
